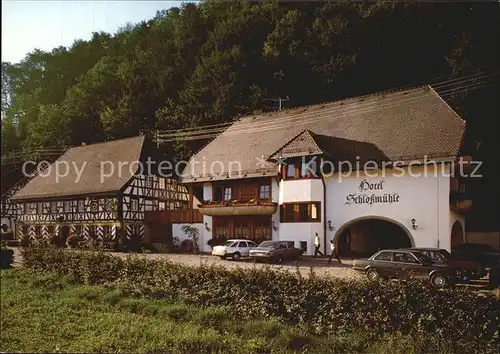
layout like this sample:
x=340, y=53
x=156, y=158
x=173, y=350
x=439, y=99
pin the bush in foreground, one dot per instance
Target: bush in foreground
x=323, y=305
x=6, y=257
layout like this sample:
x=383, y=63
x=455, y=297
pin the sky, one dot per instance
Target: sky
x=46, y=24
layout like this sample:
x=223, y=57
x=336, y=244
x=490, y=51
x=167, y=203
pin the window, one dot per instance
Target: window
x=221, y=228
x=81, y=206
x=242, y=228
x=161, y=206
x=32, y=208
x=40, y=208
x=106, y=230
x=92, y=230
x=46, y=208
x=307, y=167
x=53, y=207
x=265, y=192
x=134, y=204
x=399, y=257
x=67, y=206
x=149, y=182
x=384, y=256
x=227, y=193
x=262, y=228
x=300, y=212
x=409, y=258
x=162, y=183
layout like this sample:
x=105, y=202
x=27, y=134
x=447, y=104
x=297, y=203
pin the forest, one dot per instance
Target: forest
x=210, y=62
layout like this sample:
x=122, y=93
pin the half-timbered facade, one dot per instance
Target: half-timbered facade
x=97, y=200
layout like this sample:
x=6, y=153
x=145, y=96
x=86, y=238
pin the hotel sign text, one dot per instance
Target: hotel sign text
x=367, y=194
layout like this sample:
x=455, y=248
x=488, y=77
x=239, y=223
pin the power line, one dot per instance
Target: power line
x=202, y=133
x=299, y=120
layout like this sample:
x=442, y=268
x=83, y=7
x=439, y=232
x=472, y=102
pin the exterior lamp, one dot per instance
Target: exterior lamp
x=207, y=227
x=330, y=225
x=414, y=224
x=275, y=227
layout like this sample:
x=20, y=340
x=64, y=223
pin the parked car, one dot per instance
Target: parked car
x=405, y=265
x=276, y=251
x=465, y=270
x=494, y=276
x=234, y=249
x=477, y=252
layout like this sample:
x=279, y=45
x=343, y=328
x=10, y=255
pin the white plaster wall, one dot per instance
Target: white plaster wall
x=302, y=232
x=424, y=198
x=302, y=190
x=275, y=196
x=177, y=232
x=204, y=234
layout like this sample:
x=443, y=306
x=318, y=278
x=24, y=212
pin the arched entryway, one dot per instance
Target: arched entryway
x=457, y=234
x=364, y=236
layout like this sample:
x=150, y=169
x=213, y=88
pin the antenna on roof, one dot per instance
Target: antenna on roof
x=279, y=100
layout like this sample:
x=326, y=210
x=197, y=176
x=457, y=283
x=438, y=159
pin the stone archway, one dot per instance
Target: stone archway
x=457, y=234
x=364, y=236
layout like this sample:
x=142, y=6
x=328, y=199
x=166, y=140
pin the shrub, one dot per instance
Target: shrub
x=6, y=256
x=323, y=305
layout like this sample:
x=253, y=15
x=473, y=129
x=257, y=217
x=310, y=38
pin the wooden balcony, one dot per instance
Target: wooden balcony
x=236, y=208
x=188, y=216
x=460, y=202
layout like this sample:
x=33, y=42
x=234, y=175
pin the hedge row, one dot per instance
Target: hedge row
x=323, y=305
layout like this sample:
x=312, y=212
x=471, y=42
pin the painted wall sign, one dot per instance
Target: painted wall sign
x=365, y=196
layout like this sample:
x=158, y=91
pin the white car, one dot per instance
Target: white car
x=234, y=249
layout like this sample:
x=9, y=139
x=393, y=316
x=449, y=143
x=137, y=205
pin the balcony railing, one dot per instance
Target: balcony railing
x=238, y=207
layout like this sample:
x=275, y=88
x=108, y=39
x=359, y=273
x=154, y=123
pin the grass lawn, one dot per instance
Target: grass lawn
x=49, y=314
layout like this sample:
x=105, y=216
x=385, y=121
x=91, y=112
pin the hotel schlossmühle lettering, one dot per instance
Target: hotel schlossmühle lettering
x=371, y=198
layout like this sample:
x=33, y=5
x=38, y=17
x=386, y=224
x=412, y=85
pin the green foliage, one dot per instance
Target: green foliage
x=321, y=305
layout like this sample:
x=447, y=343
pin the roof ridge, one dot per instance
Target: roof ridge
x=105, y=142
x=352, y=98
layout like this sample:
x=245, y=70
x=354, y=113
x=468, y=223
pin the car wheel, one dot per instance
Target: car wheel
x=236, y=256
x=279, y=260
x=439, y=281
x=222, y=257
x=372, y=275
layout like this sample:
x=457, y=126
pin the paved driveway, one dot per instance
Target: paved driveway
x=320, y=266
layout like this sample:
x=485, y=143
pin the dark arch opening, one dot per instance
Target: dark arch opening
x=457, y=234
x=364, y=237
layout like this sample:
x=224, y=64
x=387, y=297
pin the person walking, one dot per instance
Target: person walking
x=317, y=244
x=333, y=253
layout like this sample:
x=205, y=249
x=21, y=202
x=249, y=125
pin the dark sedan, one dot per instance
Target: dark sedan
x=483, y=254
x=465, y=270
x=405, y=265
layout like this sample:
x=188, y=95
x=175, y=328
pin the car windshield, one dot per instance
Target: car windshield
x=227, y=243
x=267, y=244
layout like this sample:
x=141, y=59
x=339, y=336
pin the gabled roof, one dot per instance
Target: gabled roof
x=303, y=144
x=402, y=125
x=93, y=163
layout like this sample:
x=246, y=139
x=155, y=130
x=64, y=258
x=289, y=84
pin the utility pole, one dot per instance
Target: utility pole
x=279, y=100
